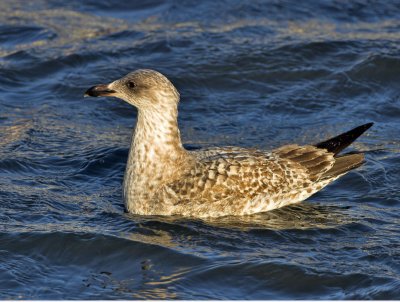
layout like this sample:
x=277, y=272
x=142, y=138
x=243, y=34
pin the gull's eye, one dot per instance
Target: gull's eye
x=131, y=84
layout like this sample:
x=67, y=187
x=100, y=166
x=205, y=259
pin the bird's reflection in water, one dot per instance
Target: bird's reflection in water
x=188, y=243
x=300, y=216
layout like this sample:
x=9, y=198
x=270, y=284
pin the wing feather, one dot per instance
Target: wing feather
x=238, y=176
x=316, y=161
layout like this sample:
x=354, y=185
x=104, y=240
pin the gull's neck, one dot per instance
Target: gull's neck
x=156, y=135
x=155, y=155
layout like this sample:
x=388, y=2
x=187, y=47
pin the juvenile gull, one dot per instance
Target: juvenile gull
x=162, y=178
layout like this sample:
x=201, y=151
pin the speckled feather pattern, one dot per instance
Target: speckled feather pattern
x=233, y=181
x=162, y=178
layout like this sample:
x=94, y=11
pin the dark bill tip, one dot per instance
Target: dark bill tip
x=99, y=90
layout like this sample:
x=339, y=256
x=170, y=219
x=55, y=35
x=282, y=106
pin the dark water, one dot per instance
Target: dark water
x=251, y=73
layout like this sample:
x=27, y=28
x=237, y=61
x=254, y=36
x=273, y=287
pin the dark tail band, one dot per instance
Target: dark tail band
x=340, y=142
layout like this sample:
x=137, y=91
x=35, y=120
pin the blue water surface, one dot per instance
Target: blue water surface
x=250, y=73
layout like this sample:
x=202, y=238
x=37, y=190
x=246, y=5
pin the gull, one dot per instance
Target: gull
x=163, y=178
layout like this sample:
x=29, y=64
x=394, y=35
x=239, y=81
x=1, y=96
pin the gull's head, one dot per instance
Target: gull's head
x=143, y=88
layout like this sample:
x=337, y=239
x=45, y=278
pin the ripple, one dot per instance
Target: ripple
x=10, y=36
x=250, y=74
x=112, y=159
x=252, y=279
x=377, y=68
x=91, y=256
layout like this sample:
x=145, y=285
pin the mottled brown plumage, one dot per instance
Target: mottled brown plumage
x=162, y=178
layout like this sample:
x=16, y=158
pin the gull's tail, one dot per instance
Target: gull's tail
x=346, y=162
x=342, y=141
